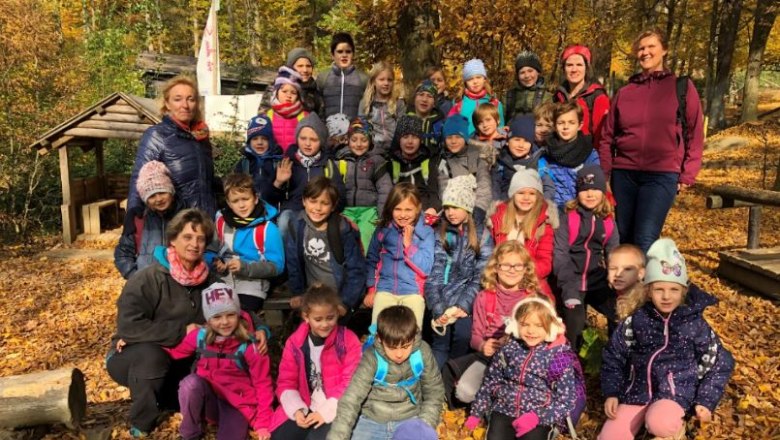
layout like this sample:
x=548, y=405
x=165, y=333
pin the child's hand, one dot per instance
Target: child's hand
x=490, y=347
x=263, y=434
x=408, y=235
x=283, y=172
x=296, y=301
x=442, y=320
x=703, y=414
x=460, y=313
x=300, y=419
x=262, y=342
x=220, y=266
x=610, y=407
x=368, y=301
x=315, y=419
x=120, y=344
x=234, y=265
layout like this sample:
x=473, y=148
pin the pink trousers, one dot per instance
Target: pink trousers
x=662, y=418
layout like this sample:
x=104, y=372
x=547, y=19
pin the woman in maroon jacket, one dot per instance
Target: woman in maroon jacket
x=643, y=146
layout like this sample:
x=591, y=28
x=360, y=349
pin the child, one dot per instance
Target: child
x=301, y=163
x=382, y=105
x=509, y=277
x=432, y=118
x=583, y=241
x=397, y=381
x=529, y=93
x=459, y=159
x=534, y=385
x=317, y=364
x=342, y=85
x=520, y=152
x=543, y=123
x=366, y=179
x=460, y=254
x=476, y=91
x=443, y=102
x=302, y=61
x=568, y=151
x=400, y=255
x=324, y=248
x=144, y=227
x=286, y=107
x=408, y=162
x=489, y=136
x=261, y=153
x=251, y=246
x=230, y=374
x=664, y=361
x=530, y=219
x=625, y=272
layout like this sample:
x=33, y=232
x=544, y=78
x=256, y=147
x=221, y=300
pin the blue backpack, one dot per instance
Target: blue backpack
x=237, y=356
x=382, y=367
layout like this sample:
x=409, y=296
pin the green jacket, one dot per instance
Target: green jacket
x=386, y=404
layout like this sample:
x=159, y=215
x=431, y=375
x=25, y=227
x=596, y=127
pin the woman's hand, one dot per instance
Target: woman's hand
x=262, y=342
x=283, y=172
x=703, y=414
x=610, y=407
x=315, y=419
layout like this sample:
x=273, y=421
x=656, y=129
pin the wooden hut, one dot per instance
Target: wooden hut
x=86, y=201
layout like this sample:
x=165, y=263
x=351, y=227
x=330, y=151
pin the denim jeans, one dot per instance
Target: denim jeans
x=367, y=429
x=454, y=343
x=643, y=200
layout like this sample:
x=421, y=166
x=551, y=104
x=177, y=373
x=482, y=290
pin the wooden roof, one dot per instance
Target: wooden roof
x=117, y=116
x=166, y=65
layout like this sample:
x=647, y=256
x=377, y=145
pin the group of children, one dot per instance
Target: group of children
x=459, y=230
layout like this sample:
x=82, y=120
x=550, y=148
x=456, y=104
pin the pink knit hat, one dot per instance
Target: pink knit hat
x=153, y=178
x=576, y=50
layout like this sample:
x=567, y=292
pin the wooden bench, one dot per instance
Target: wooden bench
x=90, y=214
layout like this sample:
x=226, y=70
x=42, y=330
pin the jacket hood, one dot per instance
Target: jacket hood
x=161, y=256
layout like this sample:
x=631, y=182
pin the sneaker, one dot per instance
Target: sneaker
x=137, y=433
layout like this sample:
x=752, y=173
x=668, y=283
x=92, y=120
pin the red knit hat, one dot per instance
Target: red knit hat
x=576, y=50
x=153, y=178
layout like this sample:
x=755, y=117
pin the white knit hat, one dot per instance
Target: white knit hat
x=525, y=178
x=556, y=327
x=665, y=263
x=219, y=298
x=153, y=178
x=461, y=192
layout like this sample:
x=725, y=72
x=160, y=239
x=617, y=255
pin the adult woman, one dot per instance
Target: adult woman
x=578, y=85
x=643, y=147
x=181, y=142
x=156, y=308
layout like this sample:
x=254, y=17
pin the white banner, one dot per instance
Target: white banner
x=228, y=113
x=208, y=56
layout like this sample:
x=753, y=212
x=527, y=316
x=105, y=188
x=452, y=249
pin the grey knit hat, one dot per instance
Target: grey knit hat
x=219, y=298
x=461, y=192
x=665, y=263
x=298, y=53
x=525, y=178
x=315, y=123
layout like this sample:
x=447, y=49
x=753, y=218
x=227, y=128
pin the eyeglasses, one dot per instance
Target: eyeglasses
x=511, y=267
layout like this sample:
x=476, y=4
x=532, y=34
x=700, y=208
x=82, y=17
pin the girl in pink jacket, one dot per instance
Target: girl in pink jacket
x=317, y=364
x=232, y=382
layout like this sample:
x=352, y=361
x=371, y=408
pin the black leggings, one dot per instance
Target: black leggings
x=603, y=300
x=500, y=428
x=289, y=430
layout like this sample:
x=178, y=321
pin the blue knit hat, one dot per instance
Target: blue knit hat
x=473, y=68
x=456, y=124
x=260, y=125
x=522, y=126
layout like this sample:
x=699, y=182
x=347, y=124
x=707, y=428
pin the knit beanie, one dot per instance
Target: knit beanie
x=527, y=58
x=525, y=178
x=576, y=50
x=360, y=125
x=219, y=298
x=665, y=263
x=414, y=429
x=286, y=75
x=338, y=124
x=260, y=125
x=298, y=53
x=315, y=123
x=409, y=124
x=153, y=178
x=556, y=326
x=591, y=177
x=461, y=192
x=427, y=86
x=456, y=124
x=473, y=68
x=522, y=126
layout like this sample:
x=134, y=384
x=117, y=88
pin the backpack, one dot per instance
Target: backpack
x=574, y=227
x=259, y=237
x=590, y=101
x=139, y=233
x=682, y=102
x=424, y=169
x=511, y=97
x=237, y=356
x=491, y=300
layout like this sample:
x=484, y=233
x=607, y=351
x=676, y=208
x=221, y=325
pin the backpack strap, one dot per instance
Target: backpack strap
x=682, y=102
x=609, y=227
x=395, y=171
x=539, y=95
x=260, y=239
x=491, y=304
x=417, y=365
x=425, y=170
x=590, y=101
x=238, y=356
x=328, y=171
x=220, y=226
x=472, y=160
x=343, y=169
x=334, y=238
x=139, y=232
x=574, y=225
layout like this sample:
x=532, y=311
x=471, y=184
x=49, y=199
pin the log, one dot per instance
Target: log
x=757, y=196
x=121, y=117
x=104, y=134
x=122, y=108
x=43, y=398
x=113, y=126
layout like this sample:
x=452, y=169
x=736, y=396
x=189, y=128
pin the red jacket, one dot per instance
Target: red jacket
x=642, y=127
x=596, y=93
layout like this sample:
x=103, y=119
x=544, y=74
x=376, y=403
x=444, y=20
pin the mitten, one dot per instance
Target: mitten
x=472, y=422
x=525, y=423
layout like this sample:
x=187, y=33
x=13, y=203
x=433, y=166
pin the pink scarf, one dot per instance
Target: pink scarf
x=287, y=110
x=183, y=276
x=475, y=96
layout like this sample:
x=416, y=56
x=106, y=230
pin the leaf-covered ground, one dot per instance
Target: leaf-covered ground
x=56, y=313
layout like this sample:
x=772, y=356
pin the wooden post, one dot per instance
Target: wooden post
x=67, y=209
x=754, y=227
x=43, y=398
x=100, y=165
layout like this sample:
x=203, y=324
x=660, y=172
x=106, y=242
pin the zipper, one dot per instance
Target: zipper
x=670, y=379
x=652, y=358
x=355, y=192
x=341, y=98
x=522, y=377
x=584, y=284
x=631, y=379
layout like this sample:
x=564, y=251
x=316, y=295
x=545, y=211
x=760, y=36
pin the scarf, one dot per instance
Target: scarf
x=235, y=222
x=287, y=110
x=183, y=276
x=475, y=96
x=570, y=154
x=306, y=161
x=199, y=130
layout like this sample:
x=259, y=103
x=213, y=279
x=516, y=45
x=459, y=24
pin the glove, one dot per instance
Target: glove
x=525, y=423
x=472, y=422
x=572, y=303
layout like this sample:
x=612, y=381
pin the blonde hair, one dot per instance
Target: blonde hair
x=528, y=223
x=534, y=307
x=165, y=93
x=471, y=230
x=545, y=111
x=603, y=210
x=241, y=333
x=530, y=282
x=370, y=92
x=484, y=111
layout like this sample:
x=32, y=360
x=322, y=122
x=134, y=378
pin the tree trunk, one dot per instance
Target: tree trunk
x=43, y=398
x=711, y=54
x=776, y=186
x=417, y=22
x=727, y=35
x=674, y=37
x=766, y=12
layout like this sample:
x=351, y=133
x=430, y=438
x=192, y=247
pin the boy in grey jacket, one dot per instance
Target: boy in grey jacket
x=397, y=380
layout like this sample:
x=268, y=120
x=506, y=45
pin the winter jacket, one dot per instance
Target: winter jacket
x=312, y=98
x=443, y=104
x=580, y=262
x=339, y=360
x=433, y=125
x=132, y=254
x=249, y=391
x=466, y=107
x=383, y=123
x=256, y=266
x=290, y=195
x=415, y=170
x=349, y=274
x=466, y=161
x=565, y=178
x=260, y=167
x=594, y=102
x=455, y=277
x=546, y=379
x=506, y=167
x=284, y=128
x=395, y=269
x=366, y=178
x=190, y=163
x=491, y=323
x=521, y=100
x=342, y=90
x=390, y=404
x=641, y=131
x=539, y=245
x=679, y=357
x=154, y=308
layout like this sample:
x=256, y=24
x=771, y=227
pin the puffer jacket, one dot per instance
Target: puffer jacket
x=128, y=256
x=455, y=277
x=405, y=170
x=386, y=404
x=339, y=360
x=189, y=161
x=565, y=178
x=284, y=128
x=366, y=178
x=383, y=123
x=546, y=379
x=260, y=167
x=521, y=100
x=395, y=269
x=506, y=167
x=312, y=98
x=679, y=357
x=594, y=102
x=466, y=161
x=342, y=90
